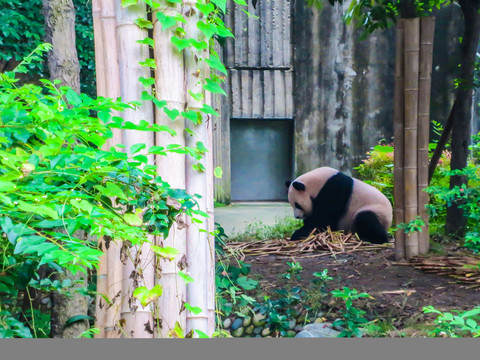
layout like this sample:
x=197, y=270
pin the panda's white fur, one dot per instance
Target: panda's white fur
x=363, y=198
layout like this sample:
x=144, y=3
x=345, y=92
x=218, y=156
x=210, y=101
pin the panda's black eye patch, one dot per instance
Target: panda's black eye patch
x=298, y=206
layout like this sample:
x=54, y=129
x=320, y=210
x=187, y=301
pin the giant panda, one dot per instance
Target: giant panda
x=327, y=197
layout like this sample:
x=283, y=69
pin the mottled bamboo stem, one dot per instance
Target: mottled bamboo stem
x=427, y=29
x=100, y=306
x=398, y=133
x=170, y=86
x=138, y=268
x=112, y=90
x=412, y=54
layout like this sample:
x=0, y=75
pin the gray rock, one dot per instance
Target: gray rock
x=258, y=320
x=227, y=323
x=298, y=328
x=237, y=323
x=238, y=332
x=247, y=321
x=266, y=332
x=257, y=330
x=291, y=324
x=317, y=331
x=249, y=330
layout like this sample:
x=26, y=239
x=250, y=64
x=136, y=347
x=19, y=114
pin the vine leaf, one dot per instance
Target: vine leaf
x=213, y=87
x=180, y=43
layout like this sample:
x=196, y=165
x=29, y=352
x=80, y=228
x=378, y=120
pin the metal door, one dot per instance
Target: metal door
x=259, y=63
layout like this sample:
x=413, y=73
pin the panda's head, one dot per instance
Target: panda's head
x=299, y=198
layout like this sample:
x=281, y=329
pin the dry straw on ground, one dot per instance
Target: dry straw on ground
x=317, y=244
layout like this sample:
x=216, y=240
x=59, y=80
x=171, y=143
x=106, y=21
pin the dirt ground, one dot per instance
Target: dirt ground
x=376, y=273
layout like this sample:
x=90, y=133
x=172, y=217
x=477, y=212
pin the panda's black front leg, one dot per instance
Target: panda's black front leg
x=304, y=231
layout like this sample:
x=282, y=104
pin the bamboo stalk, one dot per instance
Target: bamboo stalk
x=398, y=133
x=411, y=53
x=196, y=183
x=210, y=99
x=138, y=269
x=169, y=84
x=112, y=90
x=100, y=305
x=427, y=29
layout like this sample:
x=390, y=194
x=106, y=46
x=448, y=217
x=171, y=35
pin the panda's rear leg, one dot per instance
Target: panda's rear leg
x=369, y=228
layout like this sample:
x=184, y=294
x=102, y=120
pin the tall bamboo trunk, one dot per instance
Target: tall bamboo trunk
x=100, y=304
x=63, y=65
x=138, y=268
x=169, y=84
x=399, y=148
x=427, y=29
x=112, y=90
x=196, y=183
x=210, y=223
x=412, y=52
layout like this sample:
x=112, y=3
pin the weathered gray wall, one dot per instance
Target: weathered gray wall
x=343, y=95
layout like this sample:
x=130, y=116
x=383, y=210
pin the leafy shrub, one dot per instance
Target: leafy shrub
x=352, y=318
x=377, y=169
x=61, y=189
x=456, y=323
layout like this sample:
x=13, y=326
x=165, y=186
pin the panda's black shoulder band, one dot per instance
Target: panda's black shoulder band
x=332, y=201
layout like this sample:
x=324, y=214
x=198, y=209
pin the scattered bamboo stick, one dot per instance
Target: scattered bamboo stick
x=321, y=244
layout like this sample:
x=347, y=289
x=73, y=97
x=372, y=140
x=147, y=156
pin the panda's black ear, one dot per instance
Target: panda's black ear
x=287, y=183
x=298, y=186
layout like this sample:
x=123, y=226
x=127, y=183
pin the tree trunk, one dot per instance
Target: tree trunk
x=63, y=65
x=456, y=221
x=60, y=32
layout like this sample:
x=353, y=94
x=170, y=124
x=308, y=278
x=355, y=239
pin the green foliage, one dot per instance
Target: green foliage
x=259, y=231
x=377, y=169
x=21, y=30
x=352, y=318
x=413, y=226
x=381, y=14
x=85, y=46
x=467, y=197
x=456, y=323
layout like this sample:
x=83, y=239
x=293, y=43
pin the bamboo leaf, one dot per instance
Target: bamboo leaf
x=207, y=29
x=147, y=41
x=136, y=148
x=185, y=277
x=127, y=3
x=207, y=109
x=222, y=4
x=7, y=186
x=180, y=43
x=143, y=23
x=147, y=82
x=218, y=172
x=193, y=309
x=166, y=252
x=215, y=63
x=172, y=114
x=132, y=219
